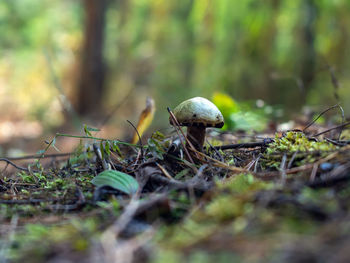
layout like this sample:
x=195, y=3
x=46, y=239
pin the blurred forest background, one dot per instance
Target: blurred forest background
x=60, y=59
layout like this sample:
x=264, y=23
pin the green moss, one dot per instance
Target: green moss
x=167, y=255
x=242, y=183
x=232, y=202
x=198, y=256
x=297, y=142
x=37, y=241
x=187, y=233
x=224, y=208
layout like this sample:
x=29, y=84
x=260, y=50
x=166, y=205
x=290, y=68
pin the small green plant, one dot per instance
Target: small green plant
x=117, y=180
x=157, y=145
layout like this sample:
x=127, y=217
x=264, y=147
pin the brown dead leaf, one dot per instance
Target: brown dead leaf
x=145, y=119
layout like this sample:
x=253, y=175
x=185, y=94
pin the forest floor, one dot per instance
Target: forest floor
x=269, y=197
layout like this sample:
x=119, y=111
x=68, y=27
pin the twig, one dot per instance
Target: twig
x=249, y=165
x=331, y=129
x=334, y=80
x=95, y=138
x=292, y=160
x=331, y=180
x=137, y=132
x=66, y=104
x=266, y=175
x=24, y=201
x=244, y=145
x=216, y=151
x=217, y=163
x=98, y=153
x=319, y=115
x=338, y=143
x=342, y=120
x=177, y=125
x=35, y=156
x=14, y=165
x=313, y=172
x=164, y=171
x=256, y=163
x=283, y=169
x=201, y=170
x=115, y=108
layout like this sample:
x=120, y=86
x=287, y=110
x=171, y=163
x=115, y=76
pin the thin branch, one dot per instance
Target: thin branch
x=13, y=164
x=95, y=138
x=137, y=132
x=244, y=145
x=283, y=169
x=65, y=102
x=342, y=120
x=319, y=115
x=36, y=156
x=331, y=129
x=334, y=80
x=98, y=153
x=290, y=163
x=115, y=108
x=177, y=125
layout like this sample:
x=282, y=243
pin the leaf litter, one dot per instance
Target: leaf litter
x=281, y=198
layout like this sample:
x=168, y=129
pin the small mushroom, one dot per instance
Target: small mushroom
x=197, y=114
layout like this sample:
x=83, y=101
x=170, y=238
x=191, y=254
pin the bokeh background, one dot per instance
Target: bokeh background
x=68, y=62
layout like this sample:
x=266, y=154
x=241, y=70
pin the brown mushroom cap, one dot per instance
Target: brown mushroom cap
x=198, y=111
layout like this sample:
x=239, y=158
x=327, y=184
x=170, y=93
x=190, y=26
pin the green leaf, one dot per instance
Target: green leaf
x=40, y=152
x=155, y=148
x=117, y=180
x=116, y=148
x=107, y=148
x=102, y=150
x=53, y=144
x=88, y=130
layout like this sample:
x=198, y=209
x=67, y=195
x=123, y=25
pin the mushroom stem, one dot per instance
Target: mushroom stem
x=196, y=136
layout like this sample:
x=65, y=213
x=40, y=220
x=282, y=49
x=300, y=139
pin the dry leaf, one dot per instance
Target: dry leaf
x=145, y=119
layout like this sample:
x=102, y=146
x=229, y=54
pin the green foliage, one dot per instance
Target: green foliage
x=227, y=106
x=238, y=117
x=88, y=130
x=117, y=180
x=248, y=120
x=248, y=50
x=157, y=145
x=28, y=29
x=113, y=206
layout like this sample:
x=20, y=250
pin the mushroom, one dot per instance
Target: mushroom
x=197, y=114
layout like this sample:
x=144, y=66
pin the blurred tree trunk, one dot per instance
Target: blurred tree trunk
x=308, y=53
x=92, y=73
x=188, y=66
